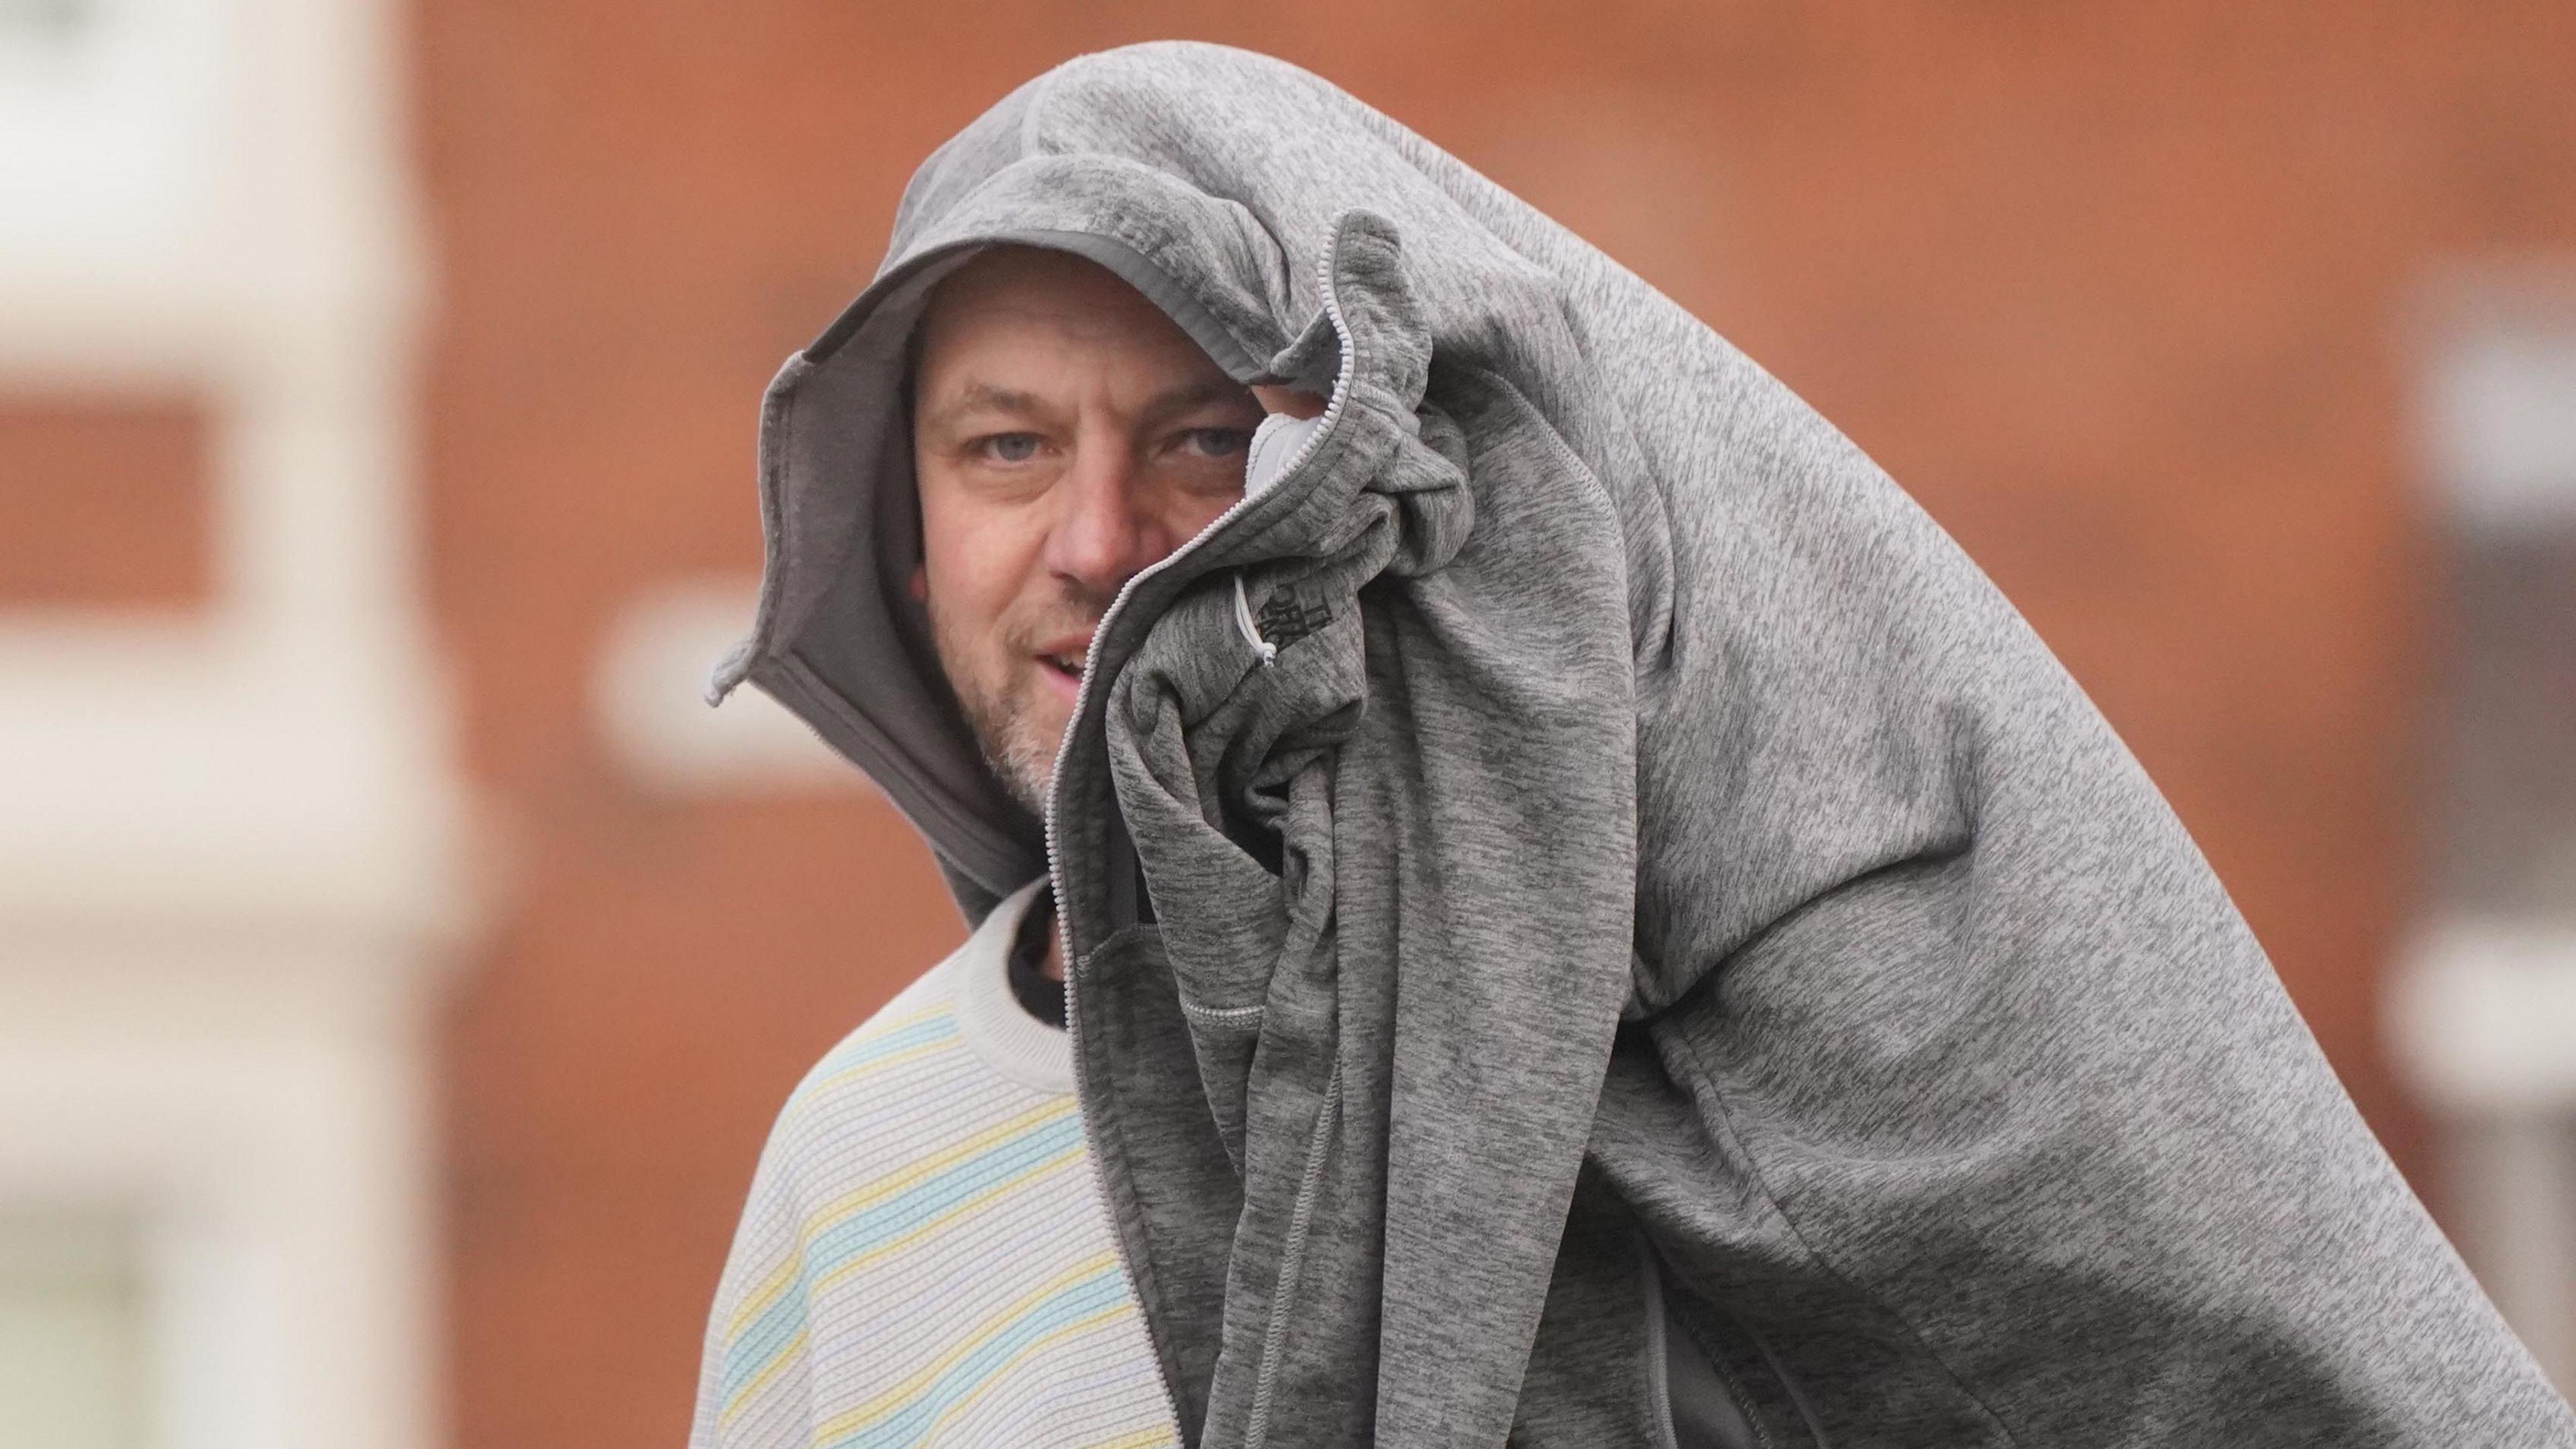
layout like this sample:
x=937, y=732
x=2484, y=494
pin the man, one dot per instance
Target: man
x=1587, y=920
x=948, y=1273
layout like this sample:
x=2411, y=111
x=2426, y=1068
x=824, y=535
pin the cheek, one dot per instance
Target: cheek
x=973, y=566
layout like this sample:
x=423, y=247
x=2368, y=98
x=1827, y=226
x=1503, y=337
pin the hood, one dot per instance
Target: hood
x=836, y=638
x=1225, y=226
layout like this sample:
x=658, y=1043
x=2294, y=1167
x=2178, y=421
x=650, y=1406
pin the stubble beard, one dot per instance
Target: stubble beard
x=1006, y=712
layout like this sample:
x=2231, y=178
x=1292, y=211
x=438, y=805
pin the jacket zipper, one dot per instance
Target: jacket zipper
x=1082, y=703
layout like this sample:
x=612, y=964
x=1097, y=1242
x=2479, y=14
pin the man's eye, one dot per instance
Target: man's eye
x=1217, y=442
x=1009, y=447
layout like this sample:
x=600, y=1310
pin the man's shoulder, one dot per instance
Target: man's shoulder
x=908, y=1046
x=919, y=1020
x=943, y=1052
x=923, y=1235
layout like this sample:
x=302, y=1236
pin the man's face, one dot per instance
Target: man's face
x=1065, y=435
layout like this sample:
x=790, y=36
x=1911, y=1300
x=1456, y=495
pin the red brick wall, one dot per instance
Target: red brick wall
x=104, y=501
x=2117, y=291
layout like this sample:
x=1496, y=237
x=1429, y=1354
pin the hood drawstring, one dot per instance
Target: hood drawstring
x=1278, y=443
x=1268, y=651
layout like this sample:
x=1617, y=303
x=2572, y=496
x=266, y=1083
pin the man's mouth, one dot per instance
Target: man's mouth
x=1063, y=656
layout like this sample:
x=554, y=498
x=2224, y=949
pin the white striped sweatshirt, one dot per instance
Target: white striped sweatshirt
x=925, y=1259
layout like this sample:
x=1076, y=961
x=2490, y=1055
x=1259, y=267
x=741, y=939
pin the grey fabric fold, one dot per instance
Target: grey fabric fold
x=1595, y=829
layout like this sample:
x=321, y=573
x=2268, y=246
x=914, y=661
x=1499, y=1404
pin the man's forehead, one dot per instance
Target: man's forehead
x=1004, y=285
x=1027, y=305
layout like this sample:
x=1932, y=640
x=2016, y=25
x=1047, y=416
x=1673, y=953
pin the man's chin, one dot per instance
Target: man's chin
x=1026, y=757
x=1028, y=777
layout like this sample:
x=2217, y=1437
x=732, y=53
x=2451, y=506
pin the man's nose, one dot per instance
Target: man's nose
x=1105, y=530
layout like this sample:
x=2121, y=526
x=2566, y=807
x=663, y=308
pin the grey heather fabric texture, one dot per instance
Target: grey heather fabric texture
x=1644, y=794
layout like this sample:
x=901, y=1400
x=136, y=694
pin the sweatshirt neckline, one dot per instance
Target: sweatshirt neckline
x=1000, y=1031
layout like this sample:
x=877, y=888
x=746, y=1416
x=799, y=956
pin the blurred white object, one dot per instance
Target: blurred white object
x=2483, y=1010
x=649, y=687
x=2484, y=1018
x=231, y=844
x=114, y=120
x=2501, y=413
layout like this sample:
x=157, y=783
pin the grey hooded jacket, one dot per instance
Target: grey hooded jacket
x=1590, y=920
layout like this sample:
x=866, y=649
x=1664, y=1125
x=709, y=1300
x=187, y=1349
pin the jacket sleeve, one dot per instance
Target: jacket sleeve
x=1972, y=1106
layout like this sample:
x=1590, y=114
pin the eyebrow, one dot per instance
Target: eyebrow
x=985, y=397
x=981, y=397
